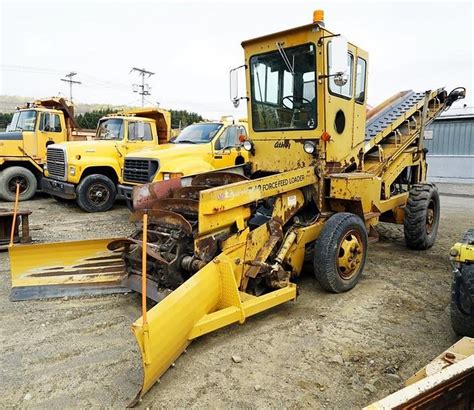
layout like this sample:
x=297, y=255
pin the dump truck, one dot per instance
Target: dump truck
x=200, y=147
x=23, y=146
x=89, y=172
x=216, y=248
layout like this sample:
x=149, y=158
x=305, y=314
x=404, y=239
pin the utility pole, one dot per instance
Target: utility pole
x=71, y=82
x=144, y=88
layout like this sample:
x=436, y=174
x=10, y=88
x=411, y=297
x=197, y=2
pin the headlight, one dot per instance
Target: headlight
x=45, y=166
x=72, y=171
x=309, y=147
x=166, y=177
x=248, y=146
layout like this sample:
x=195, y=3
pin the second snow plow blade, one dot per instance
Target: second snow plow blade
x=75, y=268
x=209, y=300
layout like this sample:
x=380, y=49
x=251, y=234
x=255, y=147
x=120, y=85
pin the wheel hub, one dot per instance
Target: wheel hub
x=98, y=194
x=350, y=255
x=430, y=217
x=23, y=182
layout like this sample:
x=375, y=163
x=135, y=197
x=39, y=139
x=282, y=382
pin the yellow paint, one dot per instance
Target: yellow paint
x=64, y=263
x=189, y=159
x=209, y=300
x=84, y=156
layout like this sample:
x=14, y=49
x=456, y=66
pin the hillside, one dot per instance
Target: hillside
x=8, y=103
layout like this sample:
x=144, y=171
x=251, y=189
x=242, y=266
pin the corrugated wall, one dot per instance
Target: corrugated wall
x=451, y=137
x=451, y=150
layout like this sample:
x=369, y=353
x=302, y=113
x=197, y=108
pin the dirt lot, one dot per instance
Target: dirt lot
x=324, y=351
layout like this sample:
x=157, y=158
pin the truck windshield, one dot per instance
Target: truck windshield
x=284, y=89
x=23, y=121
x=110, y=129
x=198, y=133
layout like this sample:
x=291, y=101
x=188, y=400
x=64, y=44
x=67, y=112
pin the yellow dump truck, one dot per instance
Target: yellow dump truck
x=90, y=171
x=23, y=146
x=216, y=248
x=200, y=147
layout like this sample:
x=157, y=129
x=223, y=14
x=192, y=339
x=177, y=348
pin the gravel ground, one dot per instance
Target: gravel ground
x=324, y=351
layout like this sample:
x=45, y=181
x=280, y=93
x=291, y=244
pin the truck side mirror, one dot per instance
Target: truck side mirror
x=338, y=60
x=234, y=90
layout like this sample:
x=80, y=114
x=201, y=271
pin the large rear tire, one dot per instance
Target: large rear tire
x=96, y=193
x=12, y=176
x=340, y=252
x=422, y=213
x=462, y=301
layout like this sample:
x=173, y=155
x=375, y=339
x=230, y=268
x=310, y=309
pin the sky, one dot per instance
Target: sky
x=192, y=45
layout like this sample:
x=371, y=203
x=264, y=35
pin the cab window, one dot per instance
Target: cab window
x=50, y=122
x=360, y=80
x=23, y=121
x=345, y=90
x=283, y=90
x=139, y=131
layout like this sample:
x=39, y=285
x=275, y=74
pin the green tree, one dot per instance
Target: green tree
x=184, y=118
x=5, y=119
x=90, y=119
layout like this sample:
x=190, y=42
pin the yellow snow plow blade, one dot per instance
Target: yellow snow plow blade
x=65, y=269
x=207, y=301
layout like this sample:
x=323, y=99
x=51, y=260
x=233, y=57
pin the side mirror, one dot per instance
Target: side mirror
x=340, y=79
x=338, y=58
x=234, y=85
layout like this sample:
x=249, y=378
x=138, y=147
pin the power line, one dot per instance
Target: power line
x=71, y=82
x=144, y=88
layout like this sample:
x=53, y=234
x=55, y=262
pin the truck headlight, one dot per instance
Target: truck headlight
x=72, y=171
x=309, y=147
x=248, y=146
x=166, y=176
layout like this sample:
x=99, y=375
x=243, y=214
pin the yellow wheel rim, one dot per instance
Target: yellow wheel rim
x=349, y=255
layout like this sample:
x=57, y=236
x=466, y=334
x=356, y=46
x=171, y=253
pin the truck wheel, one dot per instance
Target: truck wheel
x=96, y=193
x=422, y=216
x=11, y=176
x=462, y=301
x=340, y=252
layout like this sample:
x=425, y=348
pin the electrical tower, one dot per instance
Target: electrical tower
x=71, y=82
x=144, y=88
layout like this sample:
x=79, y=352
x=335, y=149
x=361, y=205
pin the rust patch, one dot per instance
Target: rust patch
x=214, y=179
x=190, y=192
x=178, y=205
x=145, y=196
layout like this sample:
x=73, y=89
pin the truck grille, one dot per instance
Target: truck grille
x=139, y=170
x=56, y=162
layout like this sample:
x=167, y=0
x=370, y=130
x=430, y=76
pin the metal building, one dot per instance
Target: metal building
x=450, y=143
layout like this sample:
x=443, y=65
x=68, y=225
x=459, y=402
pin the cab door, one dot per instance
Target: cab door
x=340, y=109
x=139, y=135
x=227, y=147
x=51, y=129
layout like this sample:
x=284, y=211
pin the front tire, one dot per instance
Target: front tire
x=462, y=301
x=12, y=176
x=340, y=252
x=96, y=193
x=422, y=213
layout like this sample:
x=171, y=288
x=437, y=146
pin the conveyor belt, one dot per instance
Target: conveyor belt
x=388, y=115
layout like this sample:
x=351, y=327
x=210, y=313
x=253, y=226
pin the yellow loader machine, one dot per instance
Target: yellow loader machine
x=216, y=248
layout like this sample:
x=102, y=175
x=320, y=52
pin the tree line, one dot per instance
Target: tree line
x=88, y=120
